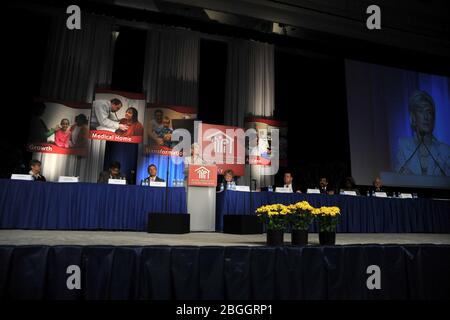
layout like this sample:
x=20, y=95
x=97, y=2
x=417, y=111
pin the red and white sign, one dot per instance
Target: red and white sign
x=220, y=145
x=59, y=127
x=262, y=155
x=159, y=127
x=202, y=175
x=131, y=116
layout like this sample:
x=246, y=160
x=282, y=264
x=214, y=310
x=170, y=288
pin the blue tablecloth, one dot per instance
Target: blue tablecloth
x=359, y=214
x=77, y=206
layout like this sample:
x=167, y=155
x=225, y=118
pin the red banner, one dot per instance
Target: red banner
x=219, y=145
x=118, y=122
x=263, y=154
x=202, y=175
x=59, y=127
x=52, y=148
x=111, y=136
x=161, y=121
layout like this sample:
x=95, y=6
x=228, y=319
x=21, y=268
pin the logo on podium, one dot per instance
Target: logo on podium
x=202, y=175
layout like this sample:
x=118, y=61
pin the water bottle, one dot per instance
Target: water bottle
x=368, y=193
x=270, y=188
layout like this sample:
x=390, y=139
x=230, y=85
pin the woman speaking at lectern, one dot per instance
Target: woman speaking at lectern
x=194, y=158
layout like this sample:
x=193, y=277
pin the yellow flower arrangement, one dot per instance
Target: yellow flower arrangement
x=300, y=215
x=327, y=217
x=274, y=215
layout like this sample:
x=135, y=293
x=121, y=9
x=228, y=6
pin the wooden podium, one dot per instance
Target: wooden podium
x=201, y=197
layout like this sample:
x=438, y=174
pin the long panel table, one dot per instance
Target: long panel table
x=83, y=206
x=360, y=214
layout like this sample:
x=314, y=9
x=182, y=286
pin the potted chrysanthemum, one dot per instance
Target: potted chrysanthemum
x=300, y=218
x=274, y=216
x=327, y=219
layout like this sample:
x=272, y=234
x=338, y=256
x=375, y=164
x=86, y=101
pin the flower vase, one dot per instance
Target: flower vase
x=275, y=237
x=299, y=237
x=327, y=238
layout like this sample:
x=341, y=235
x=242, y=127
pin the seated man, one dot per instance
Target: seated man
x=288, y=181
x=112, y=173
x=378, y=185
x=35, y=172
x=350, y=185
x=324, y=187
x=152, y=171
x=228, y=180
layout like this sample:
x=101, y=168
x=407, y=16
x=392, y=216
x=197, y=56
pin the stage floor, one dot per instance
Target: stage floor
x=123, y=238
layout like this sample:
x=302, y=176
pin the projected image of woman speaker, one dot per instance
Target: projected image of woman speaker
x=423, y=153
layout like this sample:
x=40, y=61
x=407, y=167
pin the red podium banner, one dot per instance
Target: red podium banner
x=202, y=175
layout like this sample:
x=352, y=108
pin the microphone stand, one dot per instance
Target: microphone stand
x=166, y=195
x=251, y=195
x=435, y=161
x=410, y=157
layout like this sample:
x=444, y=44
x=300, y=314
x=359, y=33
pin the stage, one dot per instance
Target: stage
x=124, y=238
x=43, y=264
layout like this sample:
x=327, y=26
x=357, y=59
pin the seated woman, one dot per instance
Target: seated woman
x=349, y=185
x=228, y=180
x=62, y=134
x=135, y=128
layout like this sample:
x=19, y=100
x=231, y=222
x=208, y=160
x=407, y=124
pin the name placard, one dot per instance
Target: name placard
x=316, y=191
x=117, y=181
x=283, y=190
x=406, y=196
x=26, y=177
x=68, y=179
x=380, y=194
x=242, y=188
x=349, y=193
x=158, y=184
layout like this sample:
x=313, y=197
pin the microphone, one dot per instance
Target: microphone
x=412, y=155
x=435, y=161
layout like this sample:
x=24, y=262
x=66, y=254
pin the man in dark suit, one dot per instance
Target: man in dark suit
x=288, y=182
x=112, y=173
x=324, y=186
x=35, y=172
x=152, y=171
x=378, y=185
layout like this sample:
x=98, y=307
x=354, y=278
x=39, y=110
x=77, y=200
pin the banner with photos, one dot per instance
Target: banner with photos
x=117, y=116
x=262, y=154
x=59, y=127
x=219, y=145
x=161, y=121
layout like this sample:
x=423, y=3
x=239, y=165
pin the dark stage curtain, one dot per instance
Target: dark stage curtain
x=238, y=273
x=359, y=214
